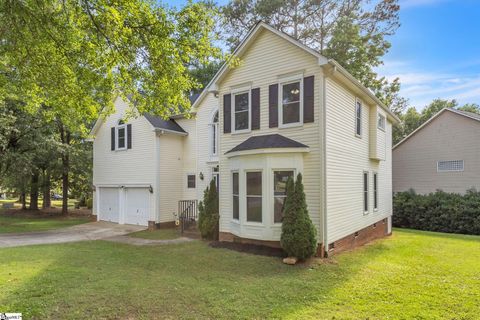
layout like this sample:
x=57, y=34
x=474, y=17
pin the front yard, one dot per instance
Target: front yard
x=410, y=275
x=11, y=224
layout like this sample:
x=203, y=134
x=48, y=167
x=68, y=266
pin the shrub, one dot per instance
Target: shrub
x=89, y=203
x=439, y=211
x=208, y=213
x=299, y=236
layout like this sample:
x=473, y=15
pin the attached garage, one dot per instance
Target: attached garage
x=129, y=205
x=109, y=204
x=137, y=206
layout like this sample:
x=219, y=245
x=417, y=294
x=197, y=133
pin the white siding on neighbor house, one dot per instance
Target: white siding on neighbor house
x=269, y=57
x=171, y=175
x=189, y=157
x=347, y=157
x=205, y=162
x=448, y=137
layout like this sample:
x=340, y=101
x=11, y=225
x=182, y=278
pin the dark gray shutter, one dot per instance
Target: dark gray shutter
x=113, y=138
x=308, y=99
x=227, y=116
x=129, y=136
x=273, y=106
x=256, y=109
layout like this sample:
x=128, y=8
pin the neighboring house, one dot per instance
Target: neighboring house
x=285, y=110
x=442, y=154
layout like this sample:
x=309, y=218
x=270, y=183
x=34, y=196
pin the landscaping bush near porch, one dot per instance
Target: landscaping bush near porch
x=439, y=211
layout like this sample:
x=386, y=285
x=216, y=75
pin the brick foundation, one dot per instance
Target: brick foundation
x=228, y=237
x=375, y=231
x=93, y=217
x=152, y=225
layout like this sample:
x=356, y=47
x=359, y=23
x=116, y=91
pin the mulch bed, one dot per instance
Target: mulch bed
x=249, y=248
x=45, y=213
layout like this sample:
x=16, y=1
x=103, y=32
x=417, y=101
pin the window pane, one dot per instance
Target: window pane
x=241, y=120
x=254, y=183
x=280, y=182
x=291, y=112
x=365, y=192
x=235, y=207
x=359, y=124
x=291, y=92
x=191, y=181
x=254, y=209
x=278, y=209
x=121, y=138
x=235, y=183
x=375, y=191
x=241, y=102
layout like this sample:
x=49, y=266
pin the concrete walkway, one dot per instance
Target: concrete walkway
x=146, y=242
x=100, y=230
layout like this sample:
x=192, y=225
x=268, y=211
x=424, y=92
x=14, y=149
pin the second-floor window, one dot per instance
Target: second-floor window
x=214, y=135
x=121, y=136
x=381, y=122
x=291, y=103
x=241, y=111
x=358, y=118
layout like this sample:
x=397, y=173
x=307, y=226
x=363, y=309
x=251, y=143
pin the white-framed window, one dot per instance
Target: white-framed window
x=365, y=192
x=214, y=135
x=450, y=165
x=291, y=101
x=280, y=178
x=358, y=118
x=254, y=195
x=242, y=105
x=375, y=191
x=121, y=134
x=381, y=122
x=191, y=181
x=235, y=196
x=216, y=176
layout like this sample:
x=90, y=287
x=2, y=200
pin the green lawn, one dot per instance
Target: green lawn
x=410, y=275
x=54, y=203
x=9, y=224
x=160, y=234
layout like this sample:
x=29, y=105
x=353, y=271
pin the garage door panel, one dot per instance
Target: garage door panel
x=109, y=204
x=137, y=206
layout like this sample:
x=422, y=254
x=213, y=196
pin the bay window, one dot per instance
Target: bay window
x=280, y=179
x=254, y=196
x=236, y=208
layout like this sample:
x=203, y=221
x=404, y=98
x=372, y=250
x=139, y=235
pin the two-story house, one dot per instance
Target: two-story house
x=285, y=110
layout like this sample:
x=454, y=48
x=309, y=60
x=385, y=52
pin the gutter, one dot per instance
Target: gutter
x=165, y=131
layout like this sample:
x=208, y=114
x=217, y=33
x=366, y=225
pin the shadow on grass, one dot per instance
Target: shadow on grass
x=109, y=280
x=442, y=235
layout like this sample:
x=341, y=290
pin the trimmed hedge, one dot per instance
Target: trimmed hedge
x=439, y=211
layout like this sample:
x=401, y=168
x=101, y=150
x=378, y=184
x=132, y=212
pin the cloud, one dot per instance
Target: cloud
x=422, y=86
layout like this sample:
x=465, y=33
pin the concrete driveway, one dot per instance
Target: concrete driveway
x=87, y=231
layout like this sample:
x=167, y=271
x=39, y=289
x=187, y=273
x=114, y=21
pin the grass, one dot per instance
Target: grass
x=160, y=234
x=410, y=275
x=54, y=203
x=9, y=224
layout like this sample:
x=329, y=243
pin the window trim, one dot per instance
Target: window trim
x=443, y=171
x=214, y=132
x=367, y=191
x=247, y=90
x=357, y=103
x=375, y=191
x=194, y=181
x=238, y=195
x=117, y=136
x=246, y=222
x=281, y=83
x=273, y=191
x=381, y=116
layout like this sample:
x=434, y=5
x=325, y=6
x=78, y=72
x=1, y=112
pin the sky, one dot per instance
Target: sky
x=435, y=52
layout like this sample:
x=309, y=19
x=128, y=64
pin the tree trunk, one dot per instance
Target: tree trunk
x=65, y=137
x=34, y=191
x=47, y=203
x=23, y=200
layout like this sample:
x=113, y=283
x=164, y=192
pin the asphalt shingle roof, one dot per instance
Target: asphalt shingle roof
x=266, y=142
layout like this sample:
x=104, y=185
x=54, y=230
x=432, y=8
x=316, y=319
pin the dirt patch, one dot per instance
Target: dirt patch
x=45, y=213
x=249, y=248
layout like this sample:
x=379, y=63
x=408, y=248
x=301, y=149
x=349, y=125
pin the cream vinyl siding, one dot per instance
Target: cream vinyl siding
x=448, y=137
x=268, y=58
x=189, y=157
x=171, y=175
x=347, y=157
x=204, y=161
x=132, y=166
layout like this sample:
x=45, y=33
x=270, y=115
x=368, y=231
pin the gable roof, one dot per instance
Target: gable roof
x=166, y=125
x=322, y=61
x=268, y=141
x=466, y=114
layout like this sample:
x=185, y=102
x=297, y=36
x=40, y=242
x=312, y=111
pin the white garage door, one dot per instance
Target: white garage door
x=109, y=208
x=137, y=206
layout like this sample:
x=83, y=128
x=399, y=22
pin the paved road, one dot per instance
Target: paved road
x=87, y=231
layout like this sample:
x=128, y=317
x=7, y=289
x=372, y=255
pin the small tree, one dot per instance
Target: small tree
x=208, y=213
x=299, y=236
